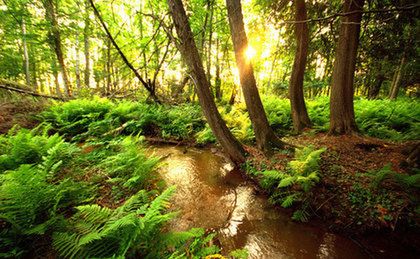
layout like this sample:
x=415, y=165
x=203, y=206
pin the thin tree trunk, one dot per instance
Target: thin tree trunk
x=86, y=32
x=373, y=91
x=396, y=85
x=217, y=80
x=25, y=54
x=192, y=58
x=122, y=55
x=77, y=67
x=108, y=67
x=299, y=113
x=264, y=135
x=55, y=74
x=55, y=35
x=342, y=120
x=208, y=65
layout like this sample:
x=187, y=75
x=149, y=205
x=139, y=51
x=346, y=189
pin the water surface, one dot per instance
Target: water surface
x=211, y=196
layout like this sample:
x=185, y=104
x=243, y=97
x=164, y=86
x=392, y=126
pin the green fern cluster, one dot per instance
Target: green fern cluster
x=386, y=173
x=130, y=166
x=395, y=120
x=46, y=196
x=96, y=231
x=32, y=204
x=294, y=185
x=22, y=146
x=86, y=118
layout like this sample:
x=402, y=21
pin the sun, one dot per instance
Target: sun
x=250, y=52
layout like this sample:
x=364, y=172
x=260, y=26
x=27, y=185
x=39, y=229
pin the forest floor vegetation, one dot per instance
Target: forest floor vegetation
x=355, y=184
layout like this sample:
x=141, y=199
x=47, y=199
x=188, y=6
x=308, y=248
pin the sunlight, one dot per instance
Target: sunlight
x=250, y=52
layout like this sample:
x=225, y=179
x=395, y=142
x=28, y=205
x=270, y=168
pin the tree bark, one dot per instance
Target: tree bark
x=55, y=36
x=342, y=119
x=300, y=115
x=77, y=65
x=264, y=135
x=55, y=74
x=192, y=58
x=373, y=91
x=217, y=79
x=25, y=54
x=86, y=32
x=396, y=83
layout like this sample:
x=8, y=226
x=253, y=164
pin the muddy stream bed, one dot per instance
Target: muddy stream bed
x=211, y=196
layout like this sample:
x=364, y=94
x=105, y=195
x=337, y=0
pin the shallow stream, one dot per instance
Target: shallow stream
x=211, y=196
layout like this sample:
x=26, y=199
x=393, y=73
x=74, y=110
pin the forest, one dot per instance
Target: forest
x=209, y=129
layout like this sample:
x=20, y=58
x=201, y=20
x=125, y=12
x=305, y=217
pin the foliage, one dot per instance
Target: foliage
x=26, y=147
x=96, y=231
x=387, y=174
x=99, y=117
x=32, y=203
x=39, y=197
x=394, y=120
x=292, y=186
x=129, y=165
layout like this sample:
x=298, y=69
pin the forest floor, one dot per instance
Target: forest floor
x=347, y=199
x=19, y=113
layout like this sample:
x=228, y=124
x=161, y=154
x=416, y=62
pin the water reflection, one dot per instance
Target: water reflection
x=210, y=196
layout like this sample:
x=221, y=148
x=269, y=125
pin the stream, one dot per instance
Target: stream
x=212, y=196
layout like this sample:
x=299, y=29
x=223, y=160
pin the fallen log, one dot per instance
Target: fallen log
x=23, y=89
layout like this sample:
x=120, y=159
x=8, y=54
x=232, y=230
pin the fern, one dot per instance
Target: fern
x=386, y=173
x=102, y=232
x=30, y=205
x=300, y=215
x=302, y=172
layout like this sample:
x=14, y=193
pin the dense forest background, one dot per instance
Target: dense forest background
x=311, y=106
x=60, y=48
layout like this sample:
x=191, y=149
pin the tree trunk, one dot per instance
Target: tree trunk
x=86, y=32
x=78, y=83
x=122, y=55
x=208, y=65
x=217, y=80
x=396, y=83
x=373, y=91
x=342, y=120
x=299, y=113
x=55, y=74
x=25, y=54
x=192, y=58
x=264, y=135
x=55, y=36
x=108, y=67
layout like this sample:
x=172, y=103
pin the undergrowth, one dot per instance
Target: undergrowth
x=49, y=192
x=292, y=186
x=83, y=119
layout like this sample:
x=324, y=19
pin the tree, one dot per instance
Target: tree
x=55, y=41
x=86, y=33
x=192, y=58
x=299, y=113
x=342, y=120
x=147, y=84
x=264, y=134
